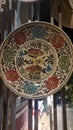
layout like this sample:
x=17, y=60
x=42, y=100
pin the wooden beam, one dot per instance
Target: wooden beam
x=13, y=111
x=1, y=104
x=5, y=110
x=36, y=115
x=55, y=111
x=29, y=114
x=63, y=101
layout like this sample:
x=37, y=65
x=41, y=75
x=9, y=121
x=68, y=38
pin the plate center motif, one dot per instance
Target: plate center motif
x=36, y=60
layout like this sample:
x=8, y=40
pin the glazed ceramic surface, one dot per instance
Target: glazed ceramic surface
x=36, y=60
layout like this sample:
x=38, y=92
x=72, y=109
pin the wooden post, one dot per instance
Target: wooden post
x=1, y=103
x=5, y=109
x=36, y=10
x=50, y=109
x=36, y=115
x=60, y=14
x=0, y=41
x=29, y=114
x=12, y=111
x=63, y=101
x=55, y=111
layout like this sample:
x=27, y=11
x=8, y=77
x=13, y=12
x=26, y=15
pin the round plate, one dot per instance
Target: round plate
x=36, y=60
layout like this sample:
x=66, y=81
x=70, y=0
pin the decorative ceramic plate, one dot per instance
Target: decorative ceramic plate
x=36, y=60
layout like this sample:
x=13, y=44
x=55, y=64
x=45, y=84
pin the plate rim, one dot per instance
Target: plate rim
x=50, y=92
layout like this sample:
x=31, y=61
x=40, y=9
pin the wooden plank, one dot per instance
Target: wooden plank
x=36, y=6
x=55, y=111
x=0, y=38
x=50, y=110
x=36, y=115
x=2, y=24
x=13, y=112
x=64, y=117
x=1, y=103
x=29, y=114
x=25, y=12
x=5, y=110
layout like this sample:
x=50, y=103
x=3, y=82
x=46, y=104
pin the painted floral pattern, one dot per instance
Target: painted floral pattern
x=64, y=62
x=39, y=32
x=57, y=41
x=12, y=75
x=36, y=63
x=36, y=60
x=20, y=38
x=30, y=88
x=52, y=83
x=8, y=56
x=35, y=52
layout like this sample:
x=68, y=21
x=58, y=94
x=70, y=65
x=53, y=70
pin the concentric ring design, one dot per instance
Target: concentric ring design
x=36, y=60
x=36, y=63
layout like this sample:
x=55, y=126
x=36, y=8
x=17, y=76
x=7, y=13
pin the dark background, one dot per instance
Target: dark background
x=45, y=16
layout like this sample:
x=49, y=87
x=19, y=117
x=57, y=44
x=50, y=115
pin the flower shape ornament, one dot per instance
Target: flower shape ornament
x=39, y=32
x=30, y=88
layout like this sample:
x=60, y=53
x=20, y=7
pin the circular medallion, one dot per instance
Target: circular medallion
x=36, y=60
